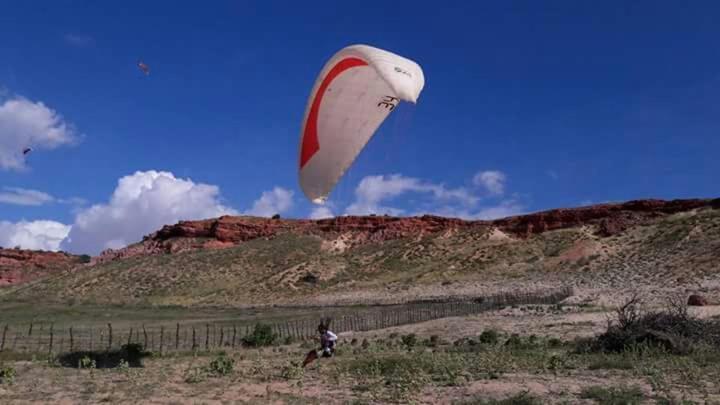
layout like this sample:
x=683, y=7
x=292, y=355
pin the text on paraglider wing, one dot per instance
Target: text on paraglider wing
x=388, y=102
x=403, y=71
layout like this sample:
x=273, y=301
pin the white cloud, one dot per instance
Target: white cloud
x=78, y=40
x=503, y=209
x=492, y=180
x=24, y=124
x=22, y=196
x=141, y=204
x=553, y=174
x=276, y=201
x=373, y=190
x=321, y=212
x=35, y=235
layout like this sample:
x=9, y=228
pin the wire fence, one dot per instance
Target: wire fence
x=46, y=338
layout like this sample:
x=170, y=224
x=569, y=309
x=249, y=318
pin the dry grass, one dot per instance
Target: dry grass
x=391, y=367
x=672, y=252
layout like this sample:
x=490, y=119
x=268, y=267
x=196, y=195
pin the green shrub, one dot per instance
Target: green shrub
x=489, y=337
x=409, y=340
x=7, y=374
x=613, y=396
x=262, y=335
x=221, y=365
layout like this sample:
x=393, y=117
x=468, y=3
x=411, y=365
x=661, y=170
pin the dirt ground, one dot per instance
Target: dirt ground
x=382, y=370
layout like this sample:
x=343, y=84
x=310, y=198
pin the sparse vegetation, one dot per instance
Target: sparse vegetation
x=262, y=335
x=7, y=374
x=613, y=395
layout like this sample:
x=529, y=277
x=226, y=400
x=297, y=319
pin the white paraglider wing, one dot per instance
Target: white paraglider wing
x=355, y=92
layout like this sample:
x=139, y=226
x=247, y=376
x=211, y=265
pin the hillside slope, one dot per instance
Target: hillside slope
x=240, y=261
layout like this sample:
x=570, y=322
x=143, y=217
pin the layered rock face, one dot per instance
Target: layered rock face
x=20, y=266
x=226, y=231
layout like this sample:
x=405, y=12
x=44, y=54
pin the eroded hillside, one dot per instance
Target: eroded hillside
x=383, y=259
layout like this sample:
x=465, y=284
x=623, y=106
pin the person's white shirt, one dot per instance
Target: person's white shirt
x=330, y=336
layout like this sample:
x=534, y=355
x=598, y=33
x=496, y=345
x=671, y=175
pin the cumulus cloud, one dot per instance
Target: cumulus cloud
x=23, y=124
x=22, y=196
x=142, y=203
x=373, y=195
x=492, y=180
x=321, y=212
x=373, y=190
x=276, y=201
x=35, y=235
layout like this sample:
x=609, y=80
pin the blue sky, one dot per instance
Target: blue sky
x=557, y=103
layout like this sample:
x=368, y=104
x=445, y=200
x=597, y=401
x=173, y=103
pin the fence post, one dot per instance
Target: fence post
x=162, y=338
x=234, y=335
x=145, y=346
x=72, y=340
x=109, y=336
x=2, y=345
x=222, y=336
x=194, y=345
x=50, y=349
x=177, y=336
x=130, y=336
x=207, y=337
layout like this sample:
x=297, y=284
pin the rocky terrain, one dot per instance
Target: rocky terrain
x=657, y=246
x=226, y=231
x=19, y=266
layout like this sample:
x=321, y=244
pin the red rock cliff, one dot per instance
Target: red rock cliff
x=228, y=231
x=19, y=266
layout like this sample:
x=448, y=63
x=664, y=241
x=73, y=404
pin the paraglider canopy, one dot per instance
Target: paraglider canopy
x=355, y=92
x=145, y=68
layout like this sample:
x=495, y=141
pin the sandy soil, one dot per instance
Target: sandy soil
x=258, y=375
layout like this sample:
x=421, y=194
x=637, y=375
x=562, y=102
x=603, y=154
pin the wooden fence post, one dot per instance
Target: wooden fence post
x=72, y=340
x=177, y=336
x=2, y=345
x=109, y=336
x=162, y=338
x=234, y=335
x=145, y=346
x=222, y=336
x=50, y=349
x=207, y=337
x=194, y=345
x=130, y=336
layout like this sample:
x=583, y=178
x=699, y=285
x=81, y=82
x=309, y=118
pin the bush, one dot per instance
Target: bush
x=672, y=330
x=409, y=340
x=489, y=337
x=7, y=374
x=221, y=365
x=523, y=398
x=132, y=354
x=613, y=396
x=262, y=335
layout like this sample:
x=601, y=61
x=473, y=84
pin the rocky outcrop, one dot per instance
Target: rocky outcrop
x=609, y=218
x=19, y=266
x=226, y=231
